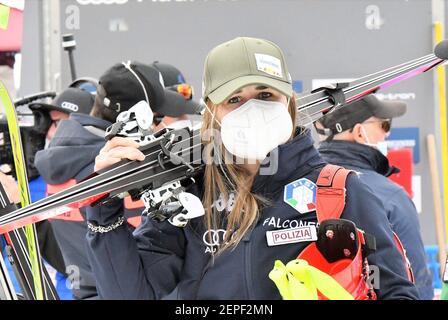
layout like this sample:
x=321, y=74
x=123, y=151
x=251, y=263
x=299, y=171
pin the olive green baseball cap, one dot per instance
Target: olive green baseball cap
x=244, y=61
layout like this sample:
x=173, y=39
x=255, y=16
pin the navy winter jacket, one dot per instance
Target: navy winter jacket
x=71, y=155
x=400, y=209
x=158, y=257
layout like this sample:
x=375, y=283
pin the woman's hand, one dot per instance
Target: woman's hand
x=11, y=187
x=117, y=149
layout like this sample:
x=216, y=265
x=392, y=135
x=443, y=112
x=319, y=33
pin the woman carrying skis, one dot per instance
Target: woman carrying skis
x=229, y=252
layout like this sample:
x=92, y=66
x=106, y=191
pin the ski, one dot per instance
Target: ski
x=26, y=259
x=20, y=262
x=320, y=100
x=7, y=291
x=18, y=256
x=176, y=155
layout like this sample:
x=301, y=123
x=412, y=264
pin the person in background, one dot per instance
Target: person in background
x=354, y=137
x=71, y=100
x=176, y=116
x=71, y=154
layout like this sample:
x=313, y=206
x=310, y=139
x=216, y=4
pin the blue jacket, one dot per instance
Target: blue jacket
x=399, y=207
x=71, y=155
x=159, y=257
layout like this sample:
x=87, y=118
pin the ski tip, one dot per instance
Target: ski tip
x=441, y=50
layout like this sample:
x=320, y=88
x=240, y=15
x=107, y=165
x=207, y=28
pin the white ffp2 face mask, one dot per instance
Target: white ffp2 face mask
x=381, y=146
x=256, y=128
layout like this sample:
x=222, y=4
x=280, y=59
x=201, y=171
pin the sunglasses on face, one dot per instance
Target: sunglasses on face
x=184, y=89
x=386, y=124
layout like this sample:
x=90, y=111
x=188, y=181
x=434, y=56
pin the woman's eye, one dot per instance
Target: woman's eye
x=265, y=95
x=234, y=100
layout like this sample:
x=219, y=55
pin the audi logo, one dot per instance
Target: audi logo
x=214, y=237
x=70, y=106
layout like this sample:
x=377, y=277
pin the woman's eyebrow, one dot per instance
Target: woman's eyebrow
x=257, y=88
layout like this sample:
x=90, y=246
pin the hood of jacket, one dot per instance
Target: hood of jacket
x=72, y=150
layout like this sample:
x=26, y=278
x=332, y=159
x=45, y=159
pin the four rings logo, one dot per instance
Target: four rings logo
x=213, y=239
x=96, y=2
x=70, y=106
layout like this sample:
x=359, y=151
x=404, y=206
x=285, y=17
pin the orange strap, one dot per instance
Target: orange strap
x=135, y=221
x=54, y=188
x=330, y=196
x=131, y=204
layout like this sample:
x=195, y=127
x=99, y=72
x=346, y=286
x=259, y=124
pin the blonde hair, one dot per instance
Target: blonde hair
x=222, y=178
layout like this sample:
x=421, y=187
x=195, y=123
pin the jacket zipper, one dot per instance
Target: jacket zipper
x=248, y=266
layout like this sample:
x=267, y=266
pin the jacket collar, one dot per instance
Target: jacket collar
x=355, y=155
x=295, y=158
x=86, y=120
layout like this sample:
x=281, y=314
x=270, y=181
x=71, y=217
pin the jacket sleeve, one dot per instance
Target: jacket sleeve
x=143, y=265
x=368, y=213
x=56, y=167
x=404, y=219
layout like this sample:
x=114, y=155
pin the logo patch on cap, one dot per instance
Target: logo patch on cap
x=70, y=106
x=301, y=195
x=269, y=64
